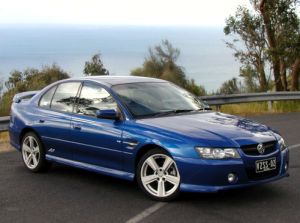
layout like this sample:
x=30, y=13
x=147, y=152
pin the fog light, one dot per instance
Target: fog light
x=231, y=178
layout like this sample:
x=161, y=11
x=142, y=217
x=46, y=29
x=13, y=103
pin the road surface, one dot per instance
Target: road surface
x=65, y=194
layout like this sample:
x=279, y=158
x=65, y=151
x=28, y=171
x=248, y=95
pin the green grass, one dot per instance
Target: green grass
x=257, y=108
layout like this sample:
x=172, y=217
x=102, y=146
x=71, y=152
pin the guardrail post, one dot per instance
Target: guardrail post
x=270, y=106
x=4, y=121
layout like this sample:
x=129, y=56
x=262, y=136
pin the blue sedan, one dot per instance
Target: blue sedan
x=144, y=129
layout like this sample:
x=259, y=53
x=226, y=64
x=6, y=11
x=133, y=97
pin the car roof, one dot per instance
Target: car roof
x=110, y=80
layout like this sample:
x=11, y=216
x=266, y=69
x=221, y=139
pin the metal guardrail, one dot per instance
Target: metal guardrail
x=4, y=123
x=251, y=97
x=219, y=100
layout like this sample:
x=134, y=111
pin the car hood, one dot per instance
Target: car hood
x=213, y=128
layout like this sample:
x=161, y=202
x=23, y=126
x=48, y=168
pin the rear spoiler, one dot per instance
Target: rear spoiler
x=24, y=96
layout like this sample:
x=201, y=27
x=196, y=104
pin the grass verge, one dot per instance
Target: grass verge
x=4, y=142
x=257, y=108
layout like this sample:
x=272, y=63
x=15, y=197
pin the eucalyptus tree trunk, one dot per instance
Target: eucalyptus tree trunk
x=295, y=75
x=283, y=75
x=270, y=33
x=262, y=77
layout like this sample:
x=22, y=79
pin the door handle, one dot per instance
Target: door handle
x=77, y=127
x=41, y=121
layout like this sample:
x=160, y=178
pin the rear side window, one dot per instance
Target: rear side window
x=46, y=98
x=65, y=96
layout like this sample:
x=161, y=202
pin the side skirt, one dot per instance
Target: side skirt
x=91, y=167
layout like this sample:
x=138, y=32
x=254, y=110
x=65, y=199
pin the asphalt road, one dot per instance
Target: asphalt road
x=70, y=195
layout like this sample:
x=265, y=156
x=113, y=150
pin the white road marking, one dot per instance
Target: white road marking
x=147, y=212
x=294, y=146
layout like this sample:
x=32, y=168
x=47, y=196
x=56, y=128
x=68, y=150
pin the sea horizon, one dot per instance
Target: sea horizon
x=204, y=54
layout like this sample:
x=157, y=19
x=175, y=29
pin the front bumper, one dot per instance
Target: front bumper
x=198, y=175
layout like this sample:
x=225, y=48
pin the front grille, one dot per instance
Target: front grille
x=252, y=149
x=252, y=175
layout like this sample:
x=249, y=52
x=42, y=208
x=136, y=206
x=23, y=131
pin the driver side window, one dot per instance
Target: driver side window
x=93, y=98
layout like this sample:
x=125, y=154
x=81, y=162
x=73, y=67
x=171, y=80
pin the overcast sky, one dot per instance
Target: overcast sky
x=119, y=12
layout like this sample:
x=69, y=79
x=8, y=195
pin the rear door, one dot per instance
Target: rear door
x=96, y=141
x=54, y=118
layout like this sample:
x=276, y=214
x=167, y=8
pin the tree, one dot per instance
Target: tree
x=270, y=37
x=28, y=80
x=1, y=87
x=249, y=30
x=14, y=78
x=282, y=30
x=251, y=79
x=295, y=68
x=161, y=63
x=95, y=67
x=295, y=75
x=250, y=83
x=232, y=86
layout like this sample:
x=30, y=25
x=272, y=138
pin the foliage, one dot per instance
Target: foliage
x=250, y=79
x=249, y=83
x=267, y=36
x=1, y=88
x=250, y=31
x=161, y=63
x=28, y=80
x=95, y=67
x=232, y=86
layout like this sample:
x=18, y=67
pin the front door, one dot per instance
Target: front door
x=96, y=141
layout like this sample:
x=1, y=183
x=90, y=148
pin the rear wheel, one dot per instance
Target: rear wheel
x=158, y=176
x=33, y=153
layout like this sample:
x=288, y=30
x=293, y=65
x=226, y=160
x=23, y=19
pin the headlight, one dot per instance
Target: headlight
x=282, y=144
x=217, y=153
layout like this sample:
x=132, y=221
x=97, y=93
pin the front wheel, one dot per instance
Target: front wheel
x=158, y=176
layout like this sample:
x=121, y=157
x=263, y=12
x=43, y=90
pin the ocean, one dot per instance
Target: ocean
x=204, y=54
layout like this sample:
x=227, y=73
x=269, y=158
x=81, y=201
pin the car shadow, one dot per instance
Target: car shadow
x=249, y=194
x=233, y=197
x=92, y=178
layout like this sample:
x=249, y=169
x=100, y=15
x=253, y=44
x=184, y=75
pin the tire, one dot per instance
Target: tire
x=158, y=175
x=33, y=153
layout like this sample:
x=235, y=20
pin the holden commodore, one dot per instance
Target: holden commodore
x=144, y=129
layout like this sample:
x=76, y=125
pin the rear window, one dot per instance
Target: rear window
x=46, y=98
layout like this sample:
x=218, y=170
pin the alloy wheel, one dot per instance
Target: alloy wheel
x=31, y=152
x=160, y=176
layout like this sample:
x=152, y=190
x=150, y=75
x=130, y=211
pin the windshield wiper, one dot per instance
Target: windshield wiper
x=172, y=112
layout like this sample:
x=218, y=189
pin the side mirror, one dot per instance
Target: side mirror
x=107, y=114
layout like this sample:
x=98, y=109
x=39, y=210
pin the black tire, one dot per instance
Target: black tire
x=139, y=170
x=42, y=164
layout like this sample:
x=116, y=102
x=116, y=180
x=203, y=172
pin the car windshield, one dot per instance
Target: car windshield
x=156, y=99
